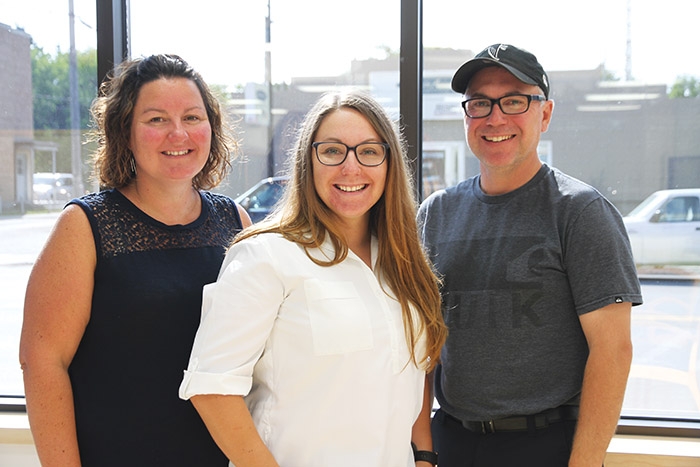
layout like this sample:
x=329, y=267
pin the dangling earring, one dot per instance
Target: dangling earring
x=133, y=165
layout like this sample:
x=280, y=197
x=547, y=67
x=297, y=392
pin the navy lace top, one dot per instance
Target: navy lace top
x=146, y=309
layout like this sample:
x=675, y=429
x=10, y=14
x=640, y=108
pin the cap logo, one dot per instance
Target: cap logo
x=493, y=52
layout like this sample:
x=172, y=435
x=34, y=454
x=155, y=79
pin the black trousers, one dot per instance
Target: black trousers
x=458, y=446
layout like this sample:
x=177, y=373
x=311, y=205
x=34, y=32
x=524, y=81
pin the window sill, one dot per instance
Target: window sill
x=638, y=451
x=14, y=429
x=626, y=450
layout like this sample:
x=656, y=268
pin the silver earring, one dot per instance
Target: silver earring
x=133, y=165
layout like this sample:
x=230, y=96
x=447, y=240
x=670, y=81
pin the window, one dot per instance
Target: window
x=680, y=209
x=269, y=86
x=626, y=121
x=43, y=119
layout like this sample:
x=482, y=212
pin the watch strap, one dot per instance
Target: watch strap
x=427, y=456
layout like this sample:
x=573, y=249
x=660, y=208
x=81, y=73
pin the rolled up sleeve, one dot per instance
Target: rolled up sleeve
x=238, y=313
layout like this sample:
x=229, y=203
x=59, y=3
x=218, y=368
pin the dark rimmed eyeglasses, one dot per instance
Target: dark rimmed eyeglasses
x=513, y=104
x=335, y=153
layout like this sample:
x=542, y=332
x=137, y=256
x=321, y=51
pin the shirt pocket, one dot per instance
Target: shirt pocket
x=340, y=321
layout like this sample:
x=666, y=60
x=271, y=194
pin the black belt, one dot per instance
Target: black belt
x=522, y=423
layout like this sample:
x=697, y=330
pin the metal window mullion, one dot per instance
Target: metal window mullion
x=112, y=35
x=411, y=85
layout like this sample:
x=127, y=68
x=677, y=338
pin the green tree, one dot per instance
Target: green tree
x=685, y=86
x=608, y=75
x=220, y=91
x=51, y=87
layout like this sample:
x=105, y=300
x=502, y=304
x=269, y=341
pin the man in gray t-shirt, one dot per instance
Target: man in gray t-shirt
x=538, y=285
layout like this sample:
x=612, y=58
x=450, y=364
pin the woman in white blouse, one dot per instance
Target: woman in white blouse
x=317, y=336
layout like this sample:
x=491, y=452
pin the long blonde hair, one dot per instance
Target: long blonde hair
x=303, y=218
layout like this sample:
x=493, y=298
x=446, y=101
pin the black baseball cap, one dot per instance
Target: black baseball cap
x=520, y=63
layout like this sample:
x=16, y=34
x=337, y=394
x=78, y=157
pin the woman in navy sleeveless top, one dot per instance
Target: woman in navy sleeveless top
x=114, y=299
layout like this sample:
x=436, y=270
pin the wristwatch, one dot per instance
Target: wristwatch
x=427, y=456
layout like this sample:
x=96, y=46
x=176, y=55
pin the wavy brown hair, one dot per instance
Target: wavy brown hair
x=302, y=217
x=112, y=114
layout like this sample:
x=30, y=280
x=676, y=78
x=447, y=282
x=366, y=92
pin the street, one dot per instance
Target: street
x=21, y=239
x=665, y=375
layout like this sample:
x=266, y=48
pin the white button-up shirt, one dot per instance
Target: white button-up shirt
x=319, y=353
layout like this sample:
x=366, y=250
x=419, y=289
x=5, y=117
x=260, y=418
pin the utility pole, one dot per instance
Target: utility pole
x=76, y=159
x=268, y=81
x=628, y=48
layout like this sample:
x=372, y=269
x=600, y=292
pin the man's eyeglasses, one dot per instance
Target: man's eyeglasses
x=367, y=154
x=514, y=104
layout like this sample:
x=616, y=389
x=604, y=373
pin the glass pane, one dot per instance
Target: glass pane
x=627, y=121
x=309, y=52
x=43, y=119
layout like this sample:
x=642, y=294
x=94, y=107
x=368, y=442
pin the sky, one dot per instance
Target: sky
x=225, y=40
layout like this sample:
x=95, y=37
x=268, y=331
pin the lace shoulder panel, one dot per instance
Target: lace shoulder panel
x=120, y=227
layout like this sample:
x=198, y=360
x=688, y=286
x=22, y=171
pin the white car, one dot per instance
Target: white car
x=53, y=187
x=664, y=229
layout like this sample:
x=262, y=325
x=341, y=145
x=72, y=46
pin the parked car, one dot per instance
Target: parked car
x=664, y=229
x=262, y=197
x=52, y=187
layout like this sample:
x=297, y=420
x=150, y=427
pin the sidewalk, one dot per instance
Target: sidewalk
x=669, y=273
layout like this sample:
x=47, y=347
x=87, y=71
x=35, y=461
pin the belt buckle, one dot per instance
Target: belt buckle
x=487, y=427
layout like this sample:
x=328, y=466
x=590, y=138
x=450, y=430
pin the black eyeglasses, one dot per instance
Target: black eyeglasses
x=335, y=153
x=514, y=104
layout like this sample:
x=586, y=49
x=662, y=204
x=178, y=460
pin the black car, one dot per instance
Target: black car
x=262, y=197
